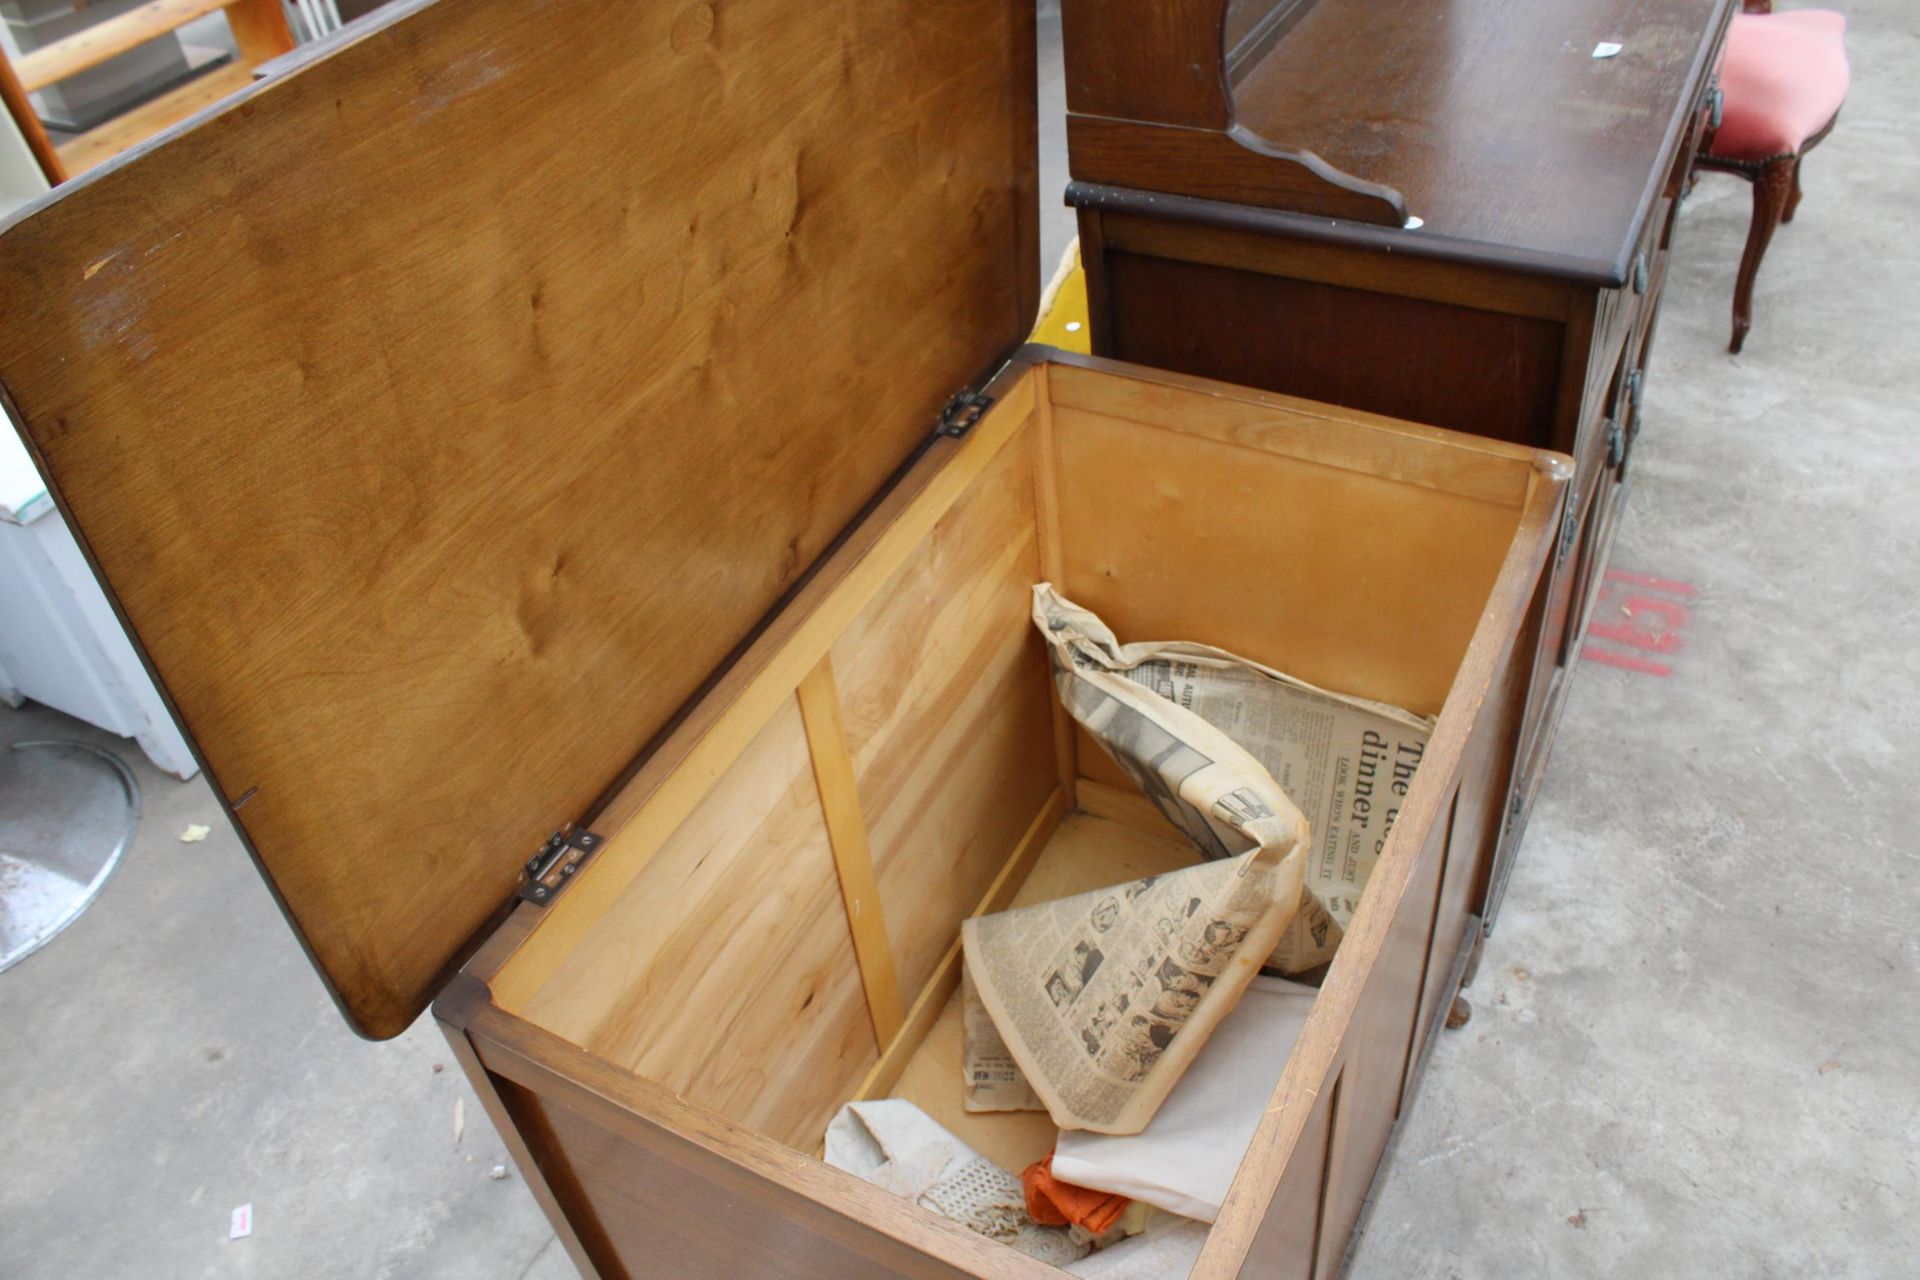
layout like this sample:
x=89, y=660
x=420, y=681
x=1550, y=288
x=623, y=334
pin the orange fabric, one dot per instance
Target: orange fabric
x=1053, y=1203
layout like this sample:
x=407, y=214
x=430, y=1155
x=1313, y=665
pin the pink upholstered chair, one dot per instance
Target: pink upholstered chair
x=1784, y=79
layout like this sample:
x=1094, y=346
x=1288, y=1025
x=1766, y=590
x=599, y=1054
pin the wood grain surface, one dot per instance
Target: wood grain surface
x=945, y=980
x=1227, y=164
x=1378, y=593
x=1148, y=60
x=947, y=708
x=1149, y=107
x=441, y=414
x=260, y=30
x=1464, y=368
x=619, y=1152
x=1492, y=117
x=661, y=1187
x=1545, y=178
x=852, y=851
x=676, y=778
x=726, y=971
x=1430, y=275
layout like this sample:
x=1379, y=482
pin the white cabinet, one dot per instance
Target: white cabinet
x=20, y=176
x=60, y=643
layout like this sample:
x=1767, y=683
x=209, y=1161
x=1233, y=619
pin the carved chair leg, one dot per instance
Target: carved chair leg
x=1771, y=188
x=1793, y=197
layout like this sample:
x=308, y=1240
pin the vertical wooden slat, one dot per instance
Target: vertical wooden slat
x=670, y=784
x=847, y=832
x=20, y=107
x=933, y=997
x=260, y=30
x=1047, y=511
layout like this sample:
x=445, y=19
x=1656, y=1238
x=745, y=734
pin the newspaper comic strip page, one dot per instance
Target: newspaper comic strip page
x=1348, y=763
x=1103, y=999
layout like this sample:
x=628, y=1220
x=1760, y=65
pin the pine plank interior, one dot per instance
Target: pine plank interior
x=1347, y=578
x=726, y=1025
x=945, y=697
x=704, y=953
x=947, y=718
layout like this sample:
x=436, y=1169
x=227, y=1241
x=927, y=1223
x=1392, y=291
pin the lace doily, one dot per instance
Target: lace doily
x=984, y=1198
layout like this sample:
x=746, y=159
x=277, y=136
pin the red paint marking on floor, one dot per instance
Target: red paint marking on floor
x=1625, y=619
x=1646, y=666
x=1673, y=615
x=1668, y=585
x=1638, y=637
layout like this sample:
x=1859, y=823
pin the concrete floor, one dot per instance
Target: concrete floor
x=1696, y=1032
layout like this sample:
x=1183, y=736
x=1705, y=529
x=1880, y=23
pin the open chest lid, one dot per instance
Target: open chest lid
x=442, y=415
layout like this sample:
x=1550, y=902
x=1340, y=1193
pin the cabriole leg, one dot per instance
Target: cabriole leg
x=1771, y=188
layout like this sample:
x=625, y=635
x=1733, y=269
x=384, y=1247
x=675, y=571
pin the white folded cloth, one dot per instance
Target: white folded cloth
x=895, y=1145
x=1185, y=1159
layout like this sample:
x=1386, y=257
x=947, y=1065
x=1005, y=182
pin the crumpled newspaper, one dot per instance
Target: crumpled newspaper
x=900, y=1148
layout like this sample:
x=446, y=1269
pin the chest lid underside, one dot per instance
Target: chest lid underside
x=442, y=415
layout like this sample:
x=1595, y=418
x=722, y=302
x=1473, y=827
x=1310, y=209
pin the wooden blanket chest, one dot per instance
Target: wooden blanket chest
x=540, y=419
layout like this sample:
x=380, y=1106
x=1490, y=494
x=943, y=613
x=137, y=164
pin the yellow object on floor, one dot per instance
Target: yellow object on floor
x=1063, y=307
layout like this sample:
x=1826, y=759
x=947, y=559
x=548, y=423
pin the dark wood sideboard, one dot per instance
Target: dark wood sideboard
x=1449, y=211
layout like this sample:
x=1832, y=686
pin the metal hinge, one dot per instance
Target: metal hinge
x=967, y=407
x=1569, y=528
x=1514, y=806
x=962, y=412
x=548, y=871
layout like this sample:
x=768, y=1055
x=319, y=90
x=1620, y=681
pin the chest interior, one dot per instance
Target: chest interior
x=772, y=927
